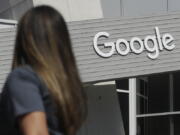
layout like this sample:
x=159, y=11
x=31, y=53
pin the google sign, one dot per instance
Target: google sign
x=124, y=47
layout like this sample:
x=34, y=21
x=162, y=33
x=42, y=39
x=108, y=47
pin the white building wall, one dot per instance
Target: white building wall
x=75, y=10
x=7, y=23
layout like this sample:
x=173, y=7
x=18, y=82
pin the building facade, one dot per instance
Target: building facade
x=128, y=58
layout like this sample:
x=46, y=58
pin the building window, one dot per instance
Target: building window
x=157, y=108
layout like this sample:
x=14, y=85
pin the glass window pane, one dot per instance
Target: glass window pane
x=154, y=98
x=176, y=79
x=153, y=126
x=176, y=120
x=122, y=84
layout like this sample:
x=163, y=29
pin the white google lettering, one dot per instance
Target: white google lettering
x=158, y=43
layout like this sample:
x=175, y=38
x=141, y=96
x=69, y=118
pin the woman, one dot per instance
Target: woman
x=43, y=94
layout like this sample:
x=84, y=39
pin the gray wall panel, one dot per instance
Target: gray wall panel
x=19, y=8
x=6, y=14
x=111, y=8
x=4, y=5
x=174, y=5
x=13, y=9
x=7, y=37
x=142, y=7
x=137, y=7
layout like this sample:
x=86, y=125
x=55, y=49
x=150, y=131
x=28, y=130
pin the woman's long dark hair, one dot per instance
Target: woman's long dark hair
x=43, y=42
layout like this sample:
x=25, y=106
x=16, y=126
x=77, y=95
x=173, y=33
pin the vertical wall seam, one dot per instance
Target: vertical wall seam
x=121, y=8
x=167, y=6
x=69, y=10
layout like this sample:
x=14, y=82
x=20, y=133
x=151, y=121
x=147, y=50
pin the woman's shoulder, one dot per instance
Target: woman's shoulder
x=21, y=77
x=23, y=72
x=21, y=92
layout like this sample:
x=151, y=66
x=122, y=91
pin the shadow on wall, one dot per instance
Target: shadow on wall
x=104, y=115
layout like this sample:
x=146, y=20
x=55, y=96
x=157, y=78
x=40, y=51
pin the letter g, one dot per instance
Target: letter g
x=108, y=44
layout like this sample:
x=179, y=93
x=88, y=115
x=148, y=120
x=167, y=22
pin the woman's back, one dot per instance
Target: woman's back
x=24, y=92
